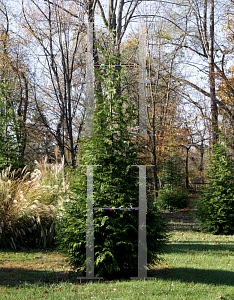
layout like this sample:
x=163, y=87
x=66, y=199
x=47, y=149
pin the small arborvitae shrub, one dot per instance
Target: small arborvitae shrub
x=215, y=206
x=172, y=198
x=116, y=183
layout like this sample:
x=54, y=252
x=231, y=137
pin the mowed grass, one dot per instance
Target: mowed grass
x=194, y=266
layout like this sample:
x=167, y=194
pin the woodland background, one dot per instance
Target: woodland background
x=43, y=71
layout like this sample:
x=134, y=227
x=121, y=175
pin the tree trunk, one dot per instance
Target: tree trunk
x=201, y=161
x=214, y=109
x=186, y=168
x=155, y=157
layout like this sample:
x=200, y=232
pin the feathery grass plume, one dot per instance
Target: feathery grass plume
x=28, y=204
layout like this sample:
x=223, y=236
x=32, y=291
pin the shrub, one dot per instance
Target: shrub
x=215, y=207
x=172, y=199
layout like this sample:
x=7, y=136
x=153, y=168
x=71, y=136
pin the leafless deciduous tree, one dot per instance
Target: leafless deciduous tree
x=56, y=32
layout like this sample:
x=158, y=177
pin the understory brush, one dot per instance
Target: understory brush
x=172, y=198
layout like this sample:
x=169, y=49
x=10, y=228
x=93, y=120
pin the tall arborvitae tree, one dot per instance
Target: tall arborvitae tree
x=114, y=150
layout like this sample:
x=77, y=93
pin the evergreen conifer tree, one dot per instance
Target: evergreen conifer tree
x=113, y=150
x=215, y=207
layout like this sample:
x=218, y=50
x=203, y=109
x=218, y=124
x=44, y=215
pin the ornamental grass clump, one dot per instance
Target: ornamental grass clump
x=28, y=205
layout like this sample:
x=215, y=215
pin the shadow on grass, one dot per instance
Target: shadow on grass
x=18, y=276
x=29, y=250
x=217, y=277
x=195, y=246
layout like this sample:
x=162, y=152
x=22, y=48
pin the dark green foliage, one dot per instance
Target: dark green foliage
x=9, y=125
x=115, y=185
x=172, y=199
x=215, y=207
x=116, y=235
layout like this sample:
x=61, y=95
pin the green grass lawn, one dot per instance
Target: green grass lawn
x=194, y=266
